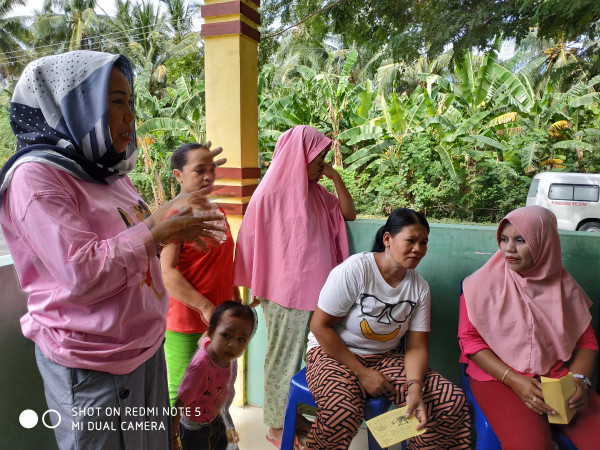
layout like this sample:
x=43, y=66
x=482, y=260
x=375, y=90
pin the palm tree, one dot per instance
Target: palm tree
x=184, y=42
x=139, y=31
x=403, y=76
x=149, y=38
x=547, y=61
x=180, y=15
x=296, y=49
x=67, y=24
x=12, y=34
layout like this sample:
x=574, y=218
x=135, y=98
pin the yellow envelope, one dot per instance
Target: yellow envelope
x=393, y=427
x=557, y=392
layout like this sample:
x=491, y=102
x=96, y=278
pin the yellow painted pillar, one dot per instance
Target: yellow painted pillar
x=231, y=38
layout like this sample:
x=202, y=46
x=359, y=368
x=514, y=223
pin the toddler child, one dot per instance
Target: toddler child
x=208, y=381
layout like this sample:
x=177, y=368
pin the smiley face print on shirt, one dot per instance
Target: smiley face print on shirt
x=383, y=315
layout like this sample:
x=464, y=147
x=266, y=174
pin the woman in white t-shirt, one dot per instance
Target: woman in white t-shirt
x=369, y=302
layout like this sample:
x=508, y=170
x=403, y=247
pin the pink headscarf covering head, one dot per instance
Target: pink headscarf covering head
x=293, y=232
x=534, y=318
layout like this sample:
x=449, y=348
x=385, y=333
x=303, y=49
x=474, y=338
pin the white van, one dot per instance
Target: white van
x=572, y=197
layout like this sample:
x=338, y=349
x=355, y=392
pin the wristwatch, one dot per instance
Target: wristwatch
x=585, y=379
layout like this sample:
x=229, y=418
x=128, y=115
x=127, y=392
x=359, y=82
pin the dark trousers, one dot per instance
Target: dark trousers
x=211, y=437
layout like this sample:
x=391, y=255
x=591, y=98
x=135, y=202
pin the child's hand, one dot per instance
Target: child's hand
x=232, y=436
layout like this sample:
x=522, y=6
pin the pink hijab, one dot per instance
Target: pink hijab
x=293, y=232
x=531, y=319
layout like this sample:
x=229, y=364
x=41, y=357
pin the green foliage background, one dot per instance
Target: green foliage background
x=457, y=134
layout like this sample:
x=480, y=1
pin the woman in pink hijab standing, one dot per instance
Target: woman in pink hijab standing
x=292, y=235
x=523, y=316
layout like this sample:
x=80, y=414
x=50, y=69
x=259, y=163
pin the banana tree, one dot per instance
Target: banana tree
x=336, y=89
x=381, y=137
x=297, y=102
x=164, y=123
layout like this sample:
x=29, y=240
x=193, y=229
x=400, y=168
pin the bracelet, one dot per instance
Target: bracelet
x=419, y=382
x=505, y=373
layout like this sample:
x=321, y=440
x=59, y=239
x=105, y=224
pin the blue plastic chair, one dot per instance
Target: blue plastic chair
x=485, y=438
x=299, y=393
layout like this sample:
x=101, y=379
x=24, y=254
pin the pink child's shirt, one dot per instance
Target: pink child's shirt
x=88, y=265
x=204, y=389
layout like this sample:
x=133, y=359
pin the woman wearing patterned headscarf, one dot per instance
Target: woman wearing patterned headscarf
x=84, y=246
x=523, y=316
x=292, y=235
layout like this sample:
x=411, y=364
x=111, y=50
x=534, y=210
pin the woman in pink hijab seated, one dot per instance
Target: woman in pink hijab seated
x=292, y=235
x=523, y=316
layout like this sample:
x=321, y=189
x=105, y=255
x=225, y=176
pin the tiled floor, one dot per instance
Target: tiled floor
x=249, y=424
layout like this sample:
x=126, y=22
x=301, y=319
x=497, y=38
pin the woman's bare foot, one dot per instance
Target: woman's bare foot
x=274, y=437
x=276, y=434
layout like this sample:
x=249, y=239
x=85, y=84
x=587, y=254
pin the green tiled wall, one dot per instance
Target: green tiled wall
x=454, y=252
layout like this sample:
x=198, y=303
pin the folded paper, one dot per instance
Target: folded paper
x=557, y=392
x=393, y=427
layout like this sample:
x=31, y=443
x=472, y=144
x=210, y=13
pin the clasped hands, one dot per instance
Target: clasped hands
x=529, y=391
x=377, y=384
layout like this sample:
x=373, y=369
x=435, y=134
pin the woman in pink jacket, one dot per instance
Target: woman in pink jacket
x=84, y=246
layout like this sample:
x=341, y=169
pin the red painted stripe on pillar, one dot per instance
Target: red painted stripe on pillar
x=230, y=27
x=238, y=173
x=234, y=209
x=233, y=191
x=227, y=8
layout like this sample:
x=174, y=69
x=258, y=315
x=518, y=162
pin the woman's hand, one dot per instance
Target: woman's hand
x=184, y=219
x=206, y=311
x=255, y=302
x=188, y=225
x=196, y=201
x=529, y=391
x=582, y=361
x=375, y=383
x=328, y=171
x=215, y=152
x=344, y=197
x=579, y=400
x=416, y=405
